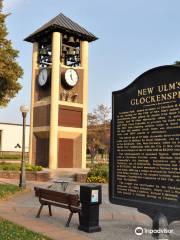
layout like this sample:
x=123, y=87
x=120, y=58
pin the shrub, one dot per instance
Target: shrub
x=98, y=173
x=30, y=167
x=11, y=157
x=17, y=166
x=94, y=179
x=10, y=166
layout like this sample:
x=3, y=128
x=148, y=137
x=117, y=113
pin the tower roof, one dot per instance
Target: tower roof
x=62, y=24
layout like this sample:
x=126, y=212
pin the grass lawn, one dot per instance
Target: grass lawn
x=7, y=190
x=11, y=231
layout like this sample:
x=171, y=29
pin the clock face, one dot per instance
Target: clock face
x=43, y=77
x=71, y=77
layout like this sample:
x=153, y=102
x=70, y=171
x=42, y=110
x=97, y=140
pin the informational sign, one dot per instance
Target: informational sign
x=145, y=140
x=94, y=196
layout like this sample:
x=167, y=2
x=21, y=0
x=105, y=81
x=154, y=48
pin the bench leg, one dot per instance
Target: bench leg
x=50, y=211
x=39, y=212
x=69, y=219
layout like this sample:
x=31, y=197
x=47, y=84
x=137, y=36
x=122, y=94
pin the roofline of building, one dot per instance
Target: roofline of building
x=68, y=26
x=15, y=124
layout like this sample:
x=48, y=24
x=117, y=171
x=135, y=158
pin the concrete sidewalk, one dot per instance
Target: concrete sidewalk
x=117, y=222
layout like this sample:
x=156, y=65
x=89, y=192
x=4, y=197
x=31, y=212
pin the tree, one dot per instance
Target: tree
x=10, y=71
x=98, y=131
x=102, y=113
x=177, y=63
x=92, y=119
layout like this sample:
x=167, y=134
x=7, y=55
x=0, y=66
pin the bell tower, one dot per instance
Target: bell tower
x=59, y=94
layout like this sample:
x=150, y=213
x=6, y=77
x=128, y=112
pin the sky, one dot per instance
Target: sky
x=134, y=36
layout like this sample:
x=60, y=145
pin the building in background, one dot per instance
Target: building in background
x=11, y=138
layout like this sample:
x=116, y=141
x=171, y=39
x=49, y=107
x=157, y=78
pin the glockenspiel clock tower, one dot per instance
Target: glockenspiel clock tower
x=59, y=92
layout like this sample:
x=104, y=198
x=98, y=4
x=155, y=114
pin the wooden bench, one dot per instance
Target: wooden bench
x=50, y=198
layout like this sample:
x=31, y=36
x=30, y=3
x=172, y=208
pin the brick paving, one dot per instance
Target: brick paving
x=117, y=222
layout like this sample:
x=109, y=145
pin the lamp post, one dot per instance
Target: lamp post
x=22, y=183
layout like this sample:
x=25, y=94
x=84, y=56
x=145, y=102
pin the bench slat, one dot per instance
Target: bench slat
x=60, y=197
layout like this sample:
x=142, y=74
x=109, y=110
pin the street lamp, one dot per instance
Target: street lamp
x=22, y=183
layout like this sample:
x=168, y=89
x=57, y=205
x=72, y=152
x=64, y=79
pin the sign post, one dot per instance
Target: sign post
x=90, y=198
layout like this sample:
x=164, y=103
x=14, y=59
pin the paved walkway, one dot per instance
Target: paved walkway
x=117, y=222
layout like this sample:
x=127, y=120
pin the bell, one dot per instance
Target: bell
x=64, y=49
x=71, y=40
x=77, y=40
x=71, y=52
x=65, y=37
x=77, y=51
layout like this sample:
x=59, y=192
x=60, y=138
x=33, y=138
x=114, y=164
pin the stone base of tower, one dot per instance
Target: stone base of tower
x=69, y=150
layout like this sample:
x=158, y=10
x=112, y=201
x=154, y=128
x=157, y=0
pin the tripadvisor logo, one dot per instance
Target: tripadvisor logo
x=140, y=231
